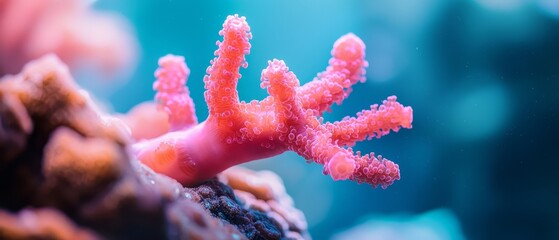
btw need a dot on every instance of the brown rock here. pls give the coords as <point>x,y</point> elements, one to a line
<point>64,156</point>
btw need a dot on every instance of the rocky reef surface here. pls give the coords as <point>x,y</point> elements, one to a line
<point>66,173</point>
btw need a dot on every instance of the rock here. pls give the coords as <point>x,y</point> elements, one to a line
<point>65,171</point>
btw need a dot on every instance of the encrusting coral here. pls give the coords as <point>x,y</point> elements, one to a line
<point>41,224</point>
<point>69,169</point>
<point>289,119</point>
<point>264,191</point>
<point>65,173</point>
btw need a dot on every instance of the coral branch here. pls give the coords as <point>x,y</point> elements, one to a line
<point>376,122</point>
<point>346,68</point>
<point>222,76</point>
<point>282,86</point>
<point>289,119</point>
<point>172,94</point>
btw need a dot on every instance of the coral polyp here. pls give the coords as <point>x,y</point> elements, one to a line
<point>289,119</point>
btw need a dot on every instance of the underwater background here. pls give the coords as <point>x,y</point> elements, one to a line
<point>481,75</point>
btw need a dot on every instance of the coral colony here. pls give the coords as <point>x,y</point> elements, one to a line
<point>66,171</point>
<point>289,119</point>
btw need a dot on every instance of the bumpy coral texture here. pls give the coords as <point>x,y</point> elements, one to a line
<point>41,224</point>
<point>65,174</point>
<point>289,119</point>
<point>172,94</point>
<point>264,191</point>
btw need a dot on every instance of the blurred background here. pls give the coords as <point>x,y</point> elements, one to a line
<point>481,75</point>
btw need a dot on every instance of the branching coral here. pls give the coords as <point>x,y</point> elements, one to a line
<point>65,174</point>
<point>289,119</point>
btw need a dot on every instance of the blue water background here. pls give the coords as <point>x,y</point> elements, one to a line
<point>481,75</point>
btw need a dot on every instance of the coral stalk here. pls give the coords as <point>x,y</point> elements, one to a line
<point>289,119</point>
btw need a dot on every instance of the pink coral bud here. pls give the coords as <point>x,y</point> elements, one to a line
<point>340,167</point>
<point>349,53</point>
<point>376,171</point>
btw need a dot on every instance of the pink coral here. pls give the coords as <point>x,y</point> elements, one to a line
<point>146,114</point>
<point>172,94</point>
<point>67,28</point>
<point>289,119</point>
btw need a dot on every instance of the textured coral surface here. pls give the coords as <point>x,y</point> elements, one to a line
<point>288,120</point>
<point>65,173</point>
<point>68,169</point>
